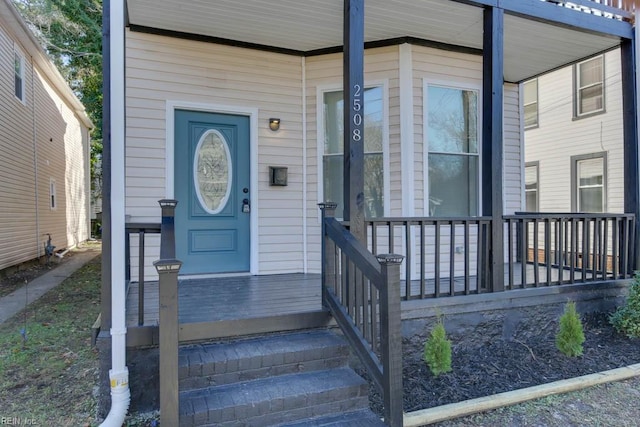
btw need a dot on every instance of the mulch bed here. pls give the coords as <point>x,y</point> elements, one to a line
<point>484,369</point>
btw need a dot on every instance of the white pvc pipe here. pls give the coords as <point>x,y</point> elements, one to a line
<point>119,374</point>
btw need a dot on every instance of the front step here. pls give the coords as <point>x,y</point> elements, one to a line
<point>300,378</point>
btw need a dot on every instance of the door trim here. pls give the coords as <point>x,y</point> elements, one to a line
<point>252,113</point>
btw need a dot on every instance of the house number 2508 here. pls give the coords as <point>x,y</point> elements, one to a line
<point>357,108</point>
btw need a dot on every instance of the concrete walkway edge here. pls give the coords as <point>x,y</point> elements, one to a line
<point>482,404</point>
<point>12,304</point>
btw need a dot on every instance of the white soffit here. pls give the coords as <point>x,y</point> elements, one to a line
<point>531,47</point>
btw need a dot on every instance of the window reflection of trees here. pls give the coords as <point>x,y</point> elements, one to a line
<point>453,151</point>
<point>212,172</point>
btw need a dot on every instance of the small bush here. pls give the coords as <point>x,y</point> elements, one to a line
<point>626,319</point>
<point>437,350</point>
<point>570,335</point>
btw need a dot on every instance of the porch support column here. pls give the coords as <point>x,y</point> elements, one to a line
<point>353,85</point>
<point>630,137</point>
<point>492,136</point>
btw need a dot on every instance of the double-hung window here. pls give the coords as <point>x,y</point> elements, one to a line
<point>531,186</point>
<point>18,75</point>
<point>589,86</point>
<point>332,154</point>
<point>589,174</point>
<point>530,103</point>
<point>453,143</point>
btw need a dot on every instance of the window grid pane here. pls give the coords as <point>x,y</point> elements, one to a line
<point>452,131</point>
<point>590,87</point>
<point>333,168</point>
<point>590,176</point>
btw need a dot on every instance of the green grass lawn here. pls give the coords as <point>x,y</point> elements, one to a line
<point>48,370</point>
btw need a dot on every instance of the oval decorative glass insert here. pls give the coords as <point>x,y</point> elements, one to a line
<point>212,171</point>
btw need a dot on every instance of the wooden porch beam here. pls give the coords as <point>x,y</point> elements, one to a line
<point>353,85</point>
<point>551,13</point>
<point>630,140</point>
<point>492,137</point>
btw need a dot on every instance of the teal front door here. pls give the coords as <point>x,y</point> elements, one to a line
<point>212,175</point>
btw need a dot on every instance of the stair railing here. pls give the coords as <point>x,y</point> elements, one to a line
<point>362,292</point>
<point>168,268</point>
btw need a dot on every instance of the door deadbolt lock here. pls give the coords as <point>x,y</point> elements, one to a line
<point>246,207</point>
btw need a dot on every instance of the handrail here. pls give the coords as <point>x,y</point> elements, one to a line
<point>617,9</point>
<point>141,229</point>
<point>362,293</point>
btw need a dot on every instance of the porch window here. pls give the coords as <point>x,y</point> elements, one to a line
<point>531,186</point>
<point>332,156</point>
<point>589,177</point>
<point>530,103</point>
<point>18,61</point>
<point>452,138</point>
<point>589,86</point>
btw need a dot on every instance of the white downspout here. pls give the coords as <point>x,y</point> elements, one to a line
<point>118,374</point>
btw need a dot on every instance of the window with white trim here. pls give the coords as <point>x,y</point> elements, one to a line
<point>589,86</point>
<point>18,60</point>
<point>531,186</point>
<point>589,173</point>
<point>530,103</point>
<point>453,157</point>
<point>333,149</point>
<point>53,202</point>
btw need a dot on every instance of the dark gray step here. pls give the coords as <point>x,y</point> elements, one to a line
<point>362,418</point>
<point>205,365</point>
<point>275,400</point>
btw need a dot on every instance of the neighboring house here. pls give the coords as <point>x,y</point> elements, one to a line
<point>237,110</point>
<point>574,137</point>
<point>44,148</point>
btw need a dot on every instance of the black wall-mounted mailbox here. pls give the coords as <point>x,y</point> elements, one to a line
<point>278,176</point>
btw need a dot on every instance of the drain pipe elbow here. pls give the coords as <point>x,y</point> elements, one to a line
<point>120,398</point>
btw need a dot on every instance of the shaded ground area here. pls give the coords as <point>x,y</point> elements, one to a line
<point>14,277</point>
<point>503,365</point>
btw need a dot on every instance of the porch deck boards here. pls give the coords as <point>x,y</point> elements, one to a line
<point>246,297</point>
<point>229,298</point>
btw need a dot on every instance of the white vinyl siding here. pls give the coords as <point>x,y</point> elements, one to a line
<point>558,137</point>
<point>161,69</point>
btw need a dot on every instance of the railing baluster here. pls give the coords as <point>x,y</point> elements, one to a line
<point>573,252</point>
<point>585,248</point>
<point>547,248</point>
<point>536,249</point>
<point>452,258</point>
<point>614,248</point>
<point>423,245</point>
<point>596,243</point>
<point>525,250</point>
<point>605,248</point>
<point>408,260</point>
<point>437,261</point>
<point>466,257</point>
<point>560,251</point>
<point>141,277</point>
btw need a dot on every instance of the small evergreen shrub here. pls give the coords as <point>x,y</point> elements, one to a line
<point>570,334</point>
<point>437,350</point>
<point>626,319</point>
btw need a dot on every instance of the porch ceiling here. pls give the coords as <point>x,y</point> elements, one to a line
<point>531,47</point>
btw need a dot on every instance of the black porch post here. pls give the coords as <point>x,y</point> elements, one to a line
<point>492,157</point>
<point>630,125</point>
<point>353,85</point>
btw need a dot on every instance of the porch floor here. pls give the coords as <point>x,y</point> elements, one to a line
<point>259,297</point>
